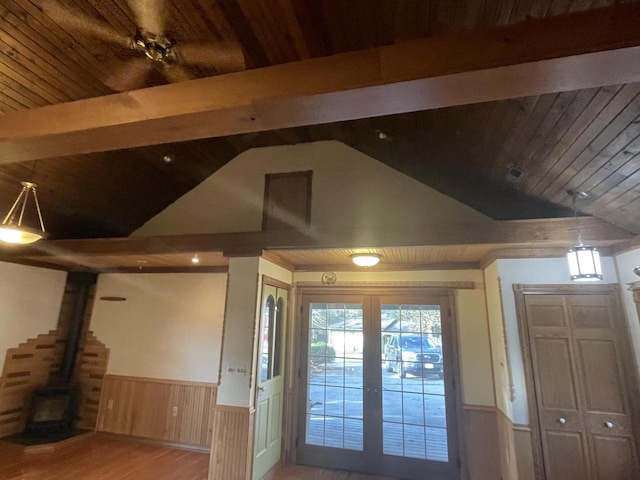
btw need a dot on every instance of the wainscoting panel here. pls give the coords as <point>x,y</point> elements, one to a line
<point>506,447</point>
<point>524,451</point>
<point>231,450</point>
<point>166,410</point>
<point>481,442</point>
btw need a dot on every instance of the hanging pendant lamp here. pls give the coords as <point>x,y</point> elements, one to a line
<point>13,230</point>
<point>584,260</point>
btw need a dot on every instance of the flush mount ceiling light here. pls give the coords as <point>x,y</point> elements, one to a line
<point>13,230</point>
<point>365,259</point>
<point>584,260</point>
<point>195,259</point>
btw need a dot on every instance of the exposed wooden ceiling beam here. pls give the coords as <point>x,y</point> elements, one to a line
<point>569,52</point>
<point>535,252</point>
<point>627,246</point>
<point>521,233</point>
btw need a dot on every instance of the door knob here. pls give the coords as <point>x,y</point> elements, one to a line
<point>261,389</point>
<point>608,424</point>
<point>562,420</point>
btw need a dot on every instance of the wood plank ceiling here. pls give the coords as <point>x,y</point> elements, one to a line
<point>587,139</point>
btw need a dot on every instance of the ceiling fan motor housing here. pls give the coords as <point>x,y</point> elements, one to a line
<point>158,48</point>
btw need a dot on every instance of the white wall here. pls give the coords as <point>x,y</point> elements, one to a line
<point>239,331</point>
<point>498,349</point>
<point>30,301</point>
<point>532,271</point>
<point>473,334</point>
<point>242,326</point>
<point>169,327</point>
<point>626,262</point>
<point>365,192</point>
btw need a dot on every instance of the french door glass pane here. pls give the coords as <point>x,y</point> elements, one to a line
<point>267,338</point>
<point>334,366</point>
<point>413,401</point>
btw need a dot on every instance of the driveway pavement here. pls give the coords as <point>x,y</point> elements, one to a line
<point>413,411</point>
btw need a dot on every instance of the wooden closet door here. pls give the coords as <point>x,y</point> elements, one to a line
<point>581,388</point>
<point>557,390</point>
<point>604,391</point>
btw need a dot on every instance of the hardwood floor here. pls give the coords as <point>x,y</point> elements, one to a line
<point>104,458</point>
<point>306,473</point>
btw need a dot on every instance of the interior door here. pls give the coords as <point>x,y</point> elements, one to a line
<point>269,396</point>
<point>376,386</point>
<point>581,387</point>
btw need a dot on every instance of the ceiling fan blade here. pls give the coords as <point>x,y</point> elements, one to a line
<point>176,73</point>
<point>129,75</point>
<point>224,57</point>
<point>151,15</point>
<point>74,20</point>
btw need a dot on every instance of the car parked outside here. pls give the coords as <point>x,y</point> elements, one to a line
<point>413,353</point>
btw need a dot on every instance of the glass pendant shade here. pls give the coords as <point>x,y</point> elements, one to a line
<point>366,259</point>
<point>584,264</point>
<point>13,229</point>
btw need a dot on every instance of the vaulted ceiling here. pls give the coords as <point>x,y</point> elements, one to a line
<point>586,139</point>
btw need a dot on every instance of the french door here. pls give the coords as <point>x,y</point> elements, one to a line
<point>376,385</point>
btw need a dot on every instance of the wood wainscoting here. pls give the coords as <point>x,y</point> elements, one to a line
<point>506,447</point>
<point>523,446</point>
<point>172,411</point>
<point>496,448</point>
<point>480,431</point>
<point>232,448</point>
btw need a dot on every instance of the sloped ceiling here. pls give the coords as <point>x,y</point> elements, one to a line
<point>587,139</point>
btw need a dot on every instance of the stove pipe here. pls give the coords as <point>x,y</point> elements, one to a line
<point>83,282</point>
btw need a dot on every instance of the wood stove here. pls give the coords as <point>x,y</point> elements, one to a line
<point>53,407</point>
<point>52,410</point>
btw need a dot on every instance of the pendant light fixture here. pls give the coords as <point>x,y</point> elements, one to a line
<point>13,229</point>
<point>584,260</point>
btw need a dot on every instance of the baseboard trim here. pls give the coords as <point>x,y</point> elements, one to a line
<point>156,442</point>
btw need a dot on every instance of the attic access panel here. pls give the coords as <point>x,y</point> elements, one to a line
<point>287,201</point>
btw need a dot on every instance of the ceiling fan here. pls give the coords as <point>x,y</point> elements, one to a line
<point>155,50</point>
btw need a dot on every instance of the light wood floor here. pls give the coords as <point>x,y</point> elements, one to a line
<point>104,458</point>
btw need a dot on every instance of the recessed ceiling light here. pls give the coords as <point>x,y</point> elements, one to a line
<point>167,159</point>
<point>195,259</point>
<point>365,259</point>
<point>514,175</point>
